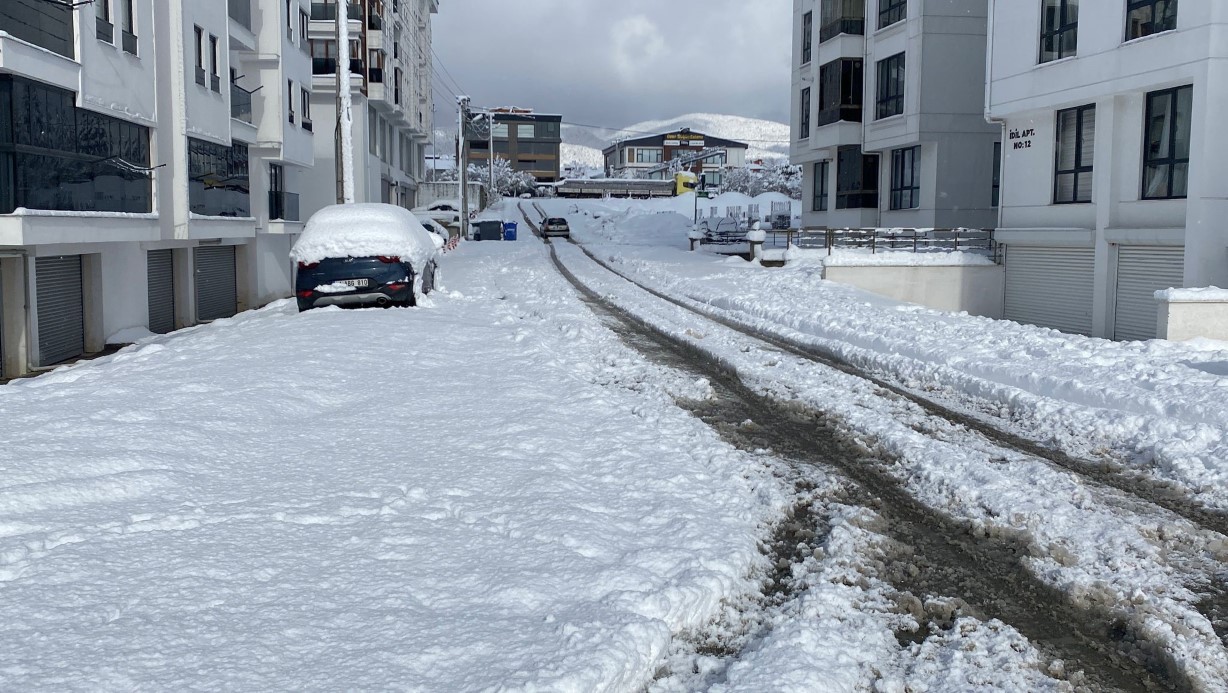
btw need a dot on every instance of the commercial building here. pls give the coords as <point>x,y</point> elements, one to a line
<point>649,157</point>
<point>888,123</point>
<point>529,141</point>
<point>1114,179</point>
<point>390,66</point>
<point>152,158</point>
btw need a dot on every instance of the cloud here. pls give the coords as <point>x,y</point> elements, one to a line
<point>614,63</point>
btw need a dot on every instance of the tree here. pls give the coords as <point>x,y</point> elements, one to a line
<point>773,175</point>
<point>508,182</point>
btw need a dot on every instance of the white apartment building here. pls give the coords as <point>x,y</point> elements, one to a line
<point>148,157</point>
<point>888,121</point>
<point>390,65</point>
<point>1114,179</point>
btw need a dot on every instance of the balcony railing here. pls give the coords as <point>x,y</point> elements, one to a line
<point>328,66</point>
<point>105,30</point>
<point>827,116</point>
<point>283,205</point>
<point>240,103</point>
<point>375,75</point>
<point>845,25</point>
<point>328,11</point>
<point>375,22</point>
<point>241,12</point>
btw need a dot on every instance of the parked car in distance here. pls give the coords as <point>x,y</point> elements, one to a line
<point>446,212</point>
<point>555,226</point>
<point>370,254</point>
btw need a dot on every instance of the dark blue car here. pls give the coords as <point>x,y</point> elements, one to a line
<point>359,281</point>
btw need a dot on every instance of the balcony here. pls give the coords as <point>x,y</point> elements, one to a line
<point>327,11</point>
<point>843,25</point>
<point>283,205</point>
<point>375,75</point>
<point>200,76</point>
<point>306,123</point>
<point>240,103</point>
<point>241,12</point>
<point>375,22</point>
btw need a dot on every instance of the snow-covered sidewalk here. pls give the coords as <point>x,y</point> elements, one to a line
<point>489,491</point>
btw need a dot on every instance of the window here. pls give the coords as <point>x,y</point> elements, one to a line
<point>290,98</point>
<point>304,21</point>
<point>840,91</point>
<point>856,178</point>
<point>648,155</point>
<point>372,130</point>
<point>842,17</point>
<point>804,130</point>
<point>525,132</point>
<point>305,108</point>
<point>1059,29</point>
<point>891,11</point>
<point>55,156</point>
<point>1076,136</point>
<point>890,87</point>
<point>995,186</point>
<point>1146,17</point>
<point>807,36</point>
<point>1166,157</point>
<point>289,21</point>
<point>128,27</point>
<point>218,179</point>
<point>905,178</point>
<point>200,56</point>
<point>105,30</point>
<point>213,63</point>
<point>818,202</point>
<point>499,130</point>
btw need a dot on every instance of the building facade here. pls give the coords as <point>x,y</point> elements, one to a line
<point>1114,183</point>
<point>390,66</point>
<point>152,158</point>
<point>887,107</point>
<point>529,141</point>
<point>650,157</point>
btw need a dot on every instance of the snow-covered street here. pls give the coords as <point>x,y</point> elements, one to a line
<point>497,491</point>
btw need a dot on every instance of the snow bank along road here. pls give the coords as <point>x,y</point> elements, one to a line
<point>1072,563</point>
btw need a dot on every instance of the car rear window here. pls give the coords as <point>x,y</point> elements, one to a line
<point>556,220</point>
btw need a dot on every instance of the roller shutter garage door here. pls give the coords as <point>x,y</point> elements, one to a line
<point>1050,287</point>
<point>1142,271</point>
<point>61,314</point>
<point>216,295</point>
<point>161,284</point>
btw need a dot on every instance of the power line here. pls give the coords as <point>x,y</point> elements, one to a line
<point>445,71</point>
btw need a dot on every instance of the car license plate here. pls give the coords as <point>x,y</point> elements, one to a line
<point>354,282</point>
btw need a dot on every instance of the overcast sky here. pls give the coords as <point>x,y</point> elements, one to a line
<point>616,62</point>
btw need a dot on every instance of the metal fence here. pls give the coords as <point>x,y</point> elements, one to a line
<point>977,241</point>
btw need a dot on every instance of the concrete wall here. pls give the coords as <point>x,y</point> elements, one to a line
<point>1180,320</point>
<point>975,289</point>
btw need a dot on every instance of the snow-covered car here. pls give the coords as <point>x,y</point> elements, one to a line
<point>434,227</point>
<point>443,211</point>
<point>555,226</point>
<point>370,254</point>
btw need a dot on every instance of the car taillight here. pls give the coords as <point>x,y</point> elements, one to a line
<point>388,259</point>
<point>306,293</point>
<point>395,286</point>
<point>308,265</point>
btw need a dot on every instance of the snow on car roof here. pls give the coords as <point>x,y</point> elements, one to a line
<point>362,230</point>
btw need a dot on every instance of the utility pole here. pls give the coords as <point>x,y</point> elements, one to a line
<point>345,122</point>
<point>462,161</point>
<point>490,150</point>
<point>434,148</point>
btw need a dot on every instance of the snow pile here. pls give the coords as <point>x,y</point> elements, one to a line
<point>1208,294</point>
<point>364,230</point>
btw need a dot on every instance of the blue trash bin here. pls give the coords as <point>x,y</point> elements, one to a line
<point>509,230</point>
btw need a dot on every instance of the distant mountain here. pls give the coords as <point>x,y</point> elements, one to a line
<point>766,138</point>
